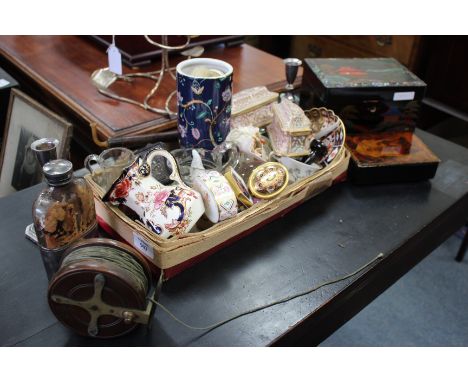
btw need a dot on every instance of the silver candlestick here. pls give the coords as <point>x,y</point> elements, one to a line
<point>45,149</point>
<point>291,66</point>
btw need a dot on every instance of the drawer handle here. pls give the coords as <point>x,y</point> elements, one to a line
<point>383,40</point>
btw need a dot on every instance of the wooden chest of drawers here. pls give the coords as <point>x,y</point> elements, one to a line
<point>403,48</point>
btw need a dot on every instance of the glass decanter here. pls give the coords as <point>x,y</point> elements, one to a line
<point>63,213</point>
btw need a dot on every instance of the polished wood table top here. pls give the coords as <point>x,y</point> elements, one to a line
<point>329,236</point>
<point>62,66</point>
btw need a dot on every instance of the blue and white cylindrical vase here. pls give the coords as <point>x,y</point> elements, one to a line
<point>204,93</point>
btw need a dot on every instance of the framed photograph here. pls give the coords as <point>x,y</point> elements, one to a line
<point>26,121</point>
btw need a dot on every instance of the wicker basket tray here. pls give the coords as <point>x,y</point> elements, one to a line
<point>176,254</point>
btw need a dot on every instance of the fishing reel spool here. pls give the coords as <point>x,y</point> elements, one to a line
<point>103,289</point>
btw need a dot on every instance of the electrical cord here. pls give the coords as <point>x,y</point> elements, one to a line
<point>379,257</point>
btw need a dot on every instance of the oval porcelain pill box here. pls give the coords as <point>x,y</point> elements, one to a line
<point>218,196</point>
<point>268,180</point>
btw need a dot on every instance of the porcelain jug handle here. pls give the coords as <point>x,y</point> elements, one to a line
<point>175,176</point>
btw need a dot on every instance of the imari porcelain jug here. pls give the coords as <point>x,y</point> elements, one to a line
<point>166,210</point>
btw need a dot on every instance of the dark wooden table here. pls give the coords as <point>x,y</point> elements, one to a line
<point>331,235</point>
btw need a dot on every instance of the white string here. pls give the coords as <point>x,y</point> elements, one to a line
<point>379,257</point>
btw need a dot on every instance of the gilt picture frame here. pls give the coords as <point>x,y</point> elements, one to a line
<point>26,121</point>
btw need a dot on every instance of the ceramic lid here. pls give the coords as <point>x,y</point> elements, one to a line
<point>268,180</point>
<point>251,99</point>
<point>292,118</point>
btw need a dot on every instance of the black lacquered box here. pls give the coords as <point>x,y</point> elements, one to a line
<point>368,94</point>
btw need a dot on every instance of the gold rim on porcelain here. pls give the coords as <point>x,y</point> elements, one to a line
<point>252,180</point>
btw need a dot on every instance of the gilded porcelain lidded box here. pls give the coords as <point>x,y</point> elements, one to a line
<point>252,107</point>
<point>291,131</point>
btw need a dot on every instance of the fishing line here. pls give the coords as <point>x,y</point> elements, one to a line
<point>136,272</point>
<point>114,256</point>
<point>213,326</point>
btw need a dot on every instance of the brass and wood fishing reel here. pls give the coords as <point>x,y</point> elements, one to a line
<point>103,289</point>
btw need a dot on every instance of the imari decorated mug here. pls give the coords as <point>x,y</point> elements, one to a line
<point>166,210</point>
<point>204,93</point>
